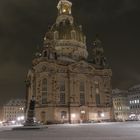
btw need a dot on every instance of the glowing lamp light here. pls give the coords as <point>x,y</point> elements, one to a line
<point>102,114</point>
<point>18,118</point>
<point>13,122</point>
<point>73,116</point>
<point>64,10</point>
<point>132,115</point>
<point>83,112</point>
<point>22,117</point>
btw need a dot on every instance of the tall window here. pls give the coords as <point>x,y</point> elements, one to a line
<point>63,114</point>
<point>98,99</point>
<point>62,92</point>
<point>97,96</point>
<point>56,35</point>
<point>44,91</point>
<point>97,92</point>
<point>73,34</point>
<point>82,93</point>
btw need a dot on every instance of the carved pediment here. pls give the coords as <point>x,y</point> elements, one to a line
<point>81,67</point>
<point>50,68</point>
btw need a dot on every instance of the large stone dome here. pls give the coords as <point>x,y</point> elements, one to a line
<point>66,30</point>
<point>69,39</point>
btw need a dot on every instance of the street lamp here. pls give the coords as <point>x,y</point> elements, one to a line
<point>102,115</point>
<point>73,117</point>
<point>13,122</point>
<point>83,112</point>
<point>18,118</point>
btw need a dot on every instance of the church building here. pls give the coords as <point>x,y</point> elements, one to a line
<point>65,85</point>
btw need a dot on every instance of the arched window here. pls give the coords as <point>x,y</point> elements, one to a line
<point>62,92</point>
<point>82,93</point>
<point>56,35</point>
<point>63,114</point>
<point>73,34</point>
<point>98,99</point>
<point>97,91</point>
<point>44,91</point>
<point>43,116</point>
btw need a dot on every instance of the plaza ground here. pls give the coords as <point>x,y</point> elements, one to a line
<point>97,131</point>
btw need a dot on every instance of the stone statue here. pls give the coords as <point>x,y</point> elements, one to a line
<point>30,124</point>
<point>30,113</point>
<point>32,104</point>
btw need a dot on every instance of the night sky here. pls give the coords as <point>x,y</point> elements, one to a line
<point>23,24</point>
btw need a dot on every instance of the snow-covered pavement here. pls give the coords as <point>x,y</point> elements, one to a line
<point>101,131</point>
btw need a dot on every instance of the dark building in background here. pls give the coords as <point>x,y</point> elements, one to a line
<point>126,104</point>
<point>134,102</point>
<point>120,104</point>
<point>14,110</point>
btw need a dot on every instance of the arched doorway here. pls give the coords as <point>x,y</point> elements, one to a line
<point>43,117</point>
<point>83,116</point>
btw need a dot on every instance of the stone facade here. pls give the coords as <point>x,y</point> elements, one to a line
<point>67,87</point>
<point>13,109</point>
<point>134,102</point>
<point>120,104</point>
<point>1,113</point>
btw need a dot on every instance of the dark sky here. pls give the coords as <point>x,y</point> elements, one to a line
<point>23,24</point>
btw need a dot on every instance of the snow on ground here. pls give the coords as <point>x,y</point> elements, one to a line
<point>101,131</point>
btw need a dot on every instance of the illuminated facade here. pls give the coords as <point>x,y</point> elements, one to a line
<point>134,102</point>
<point>120,104</point>
<point>13,109</point>
<point>1,114</point>
<point>67,87</point>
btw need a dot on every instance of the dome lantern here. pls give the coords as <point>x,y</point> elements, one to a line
<point>64,7</point>
<point>64,11</point>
